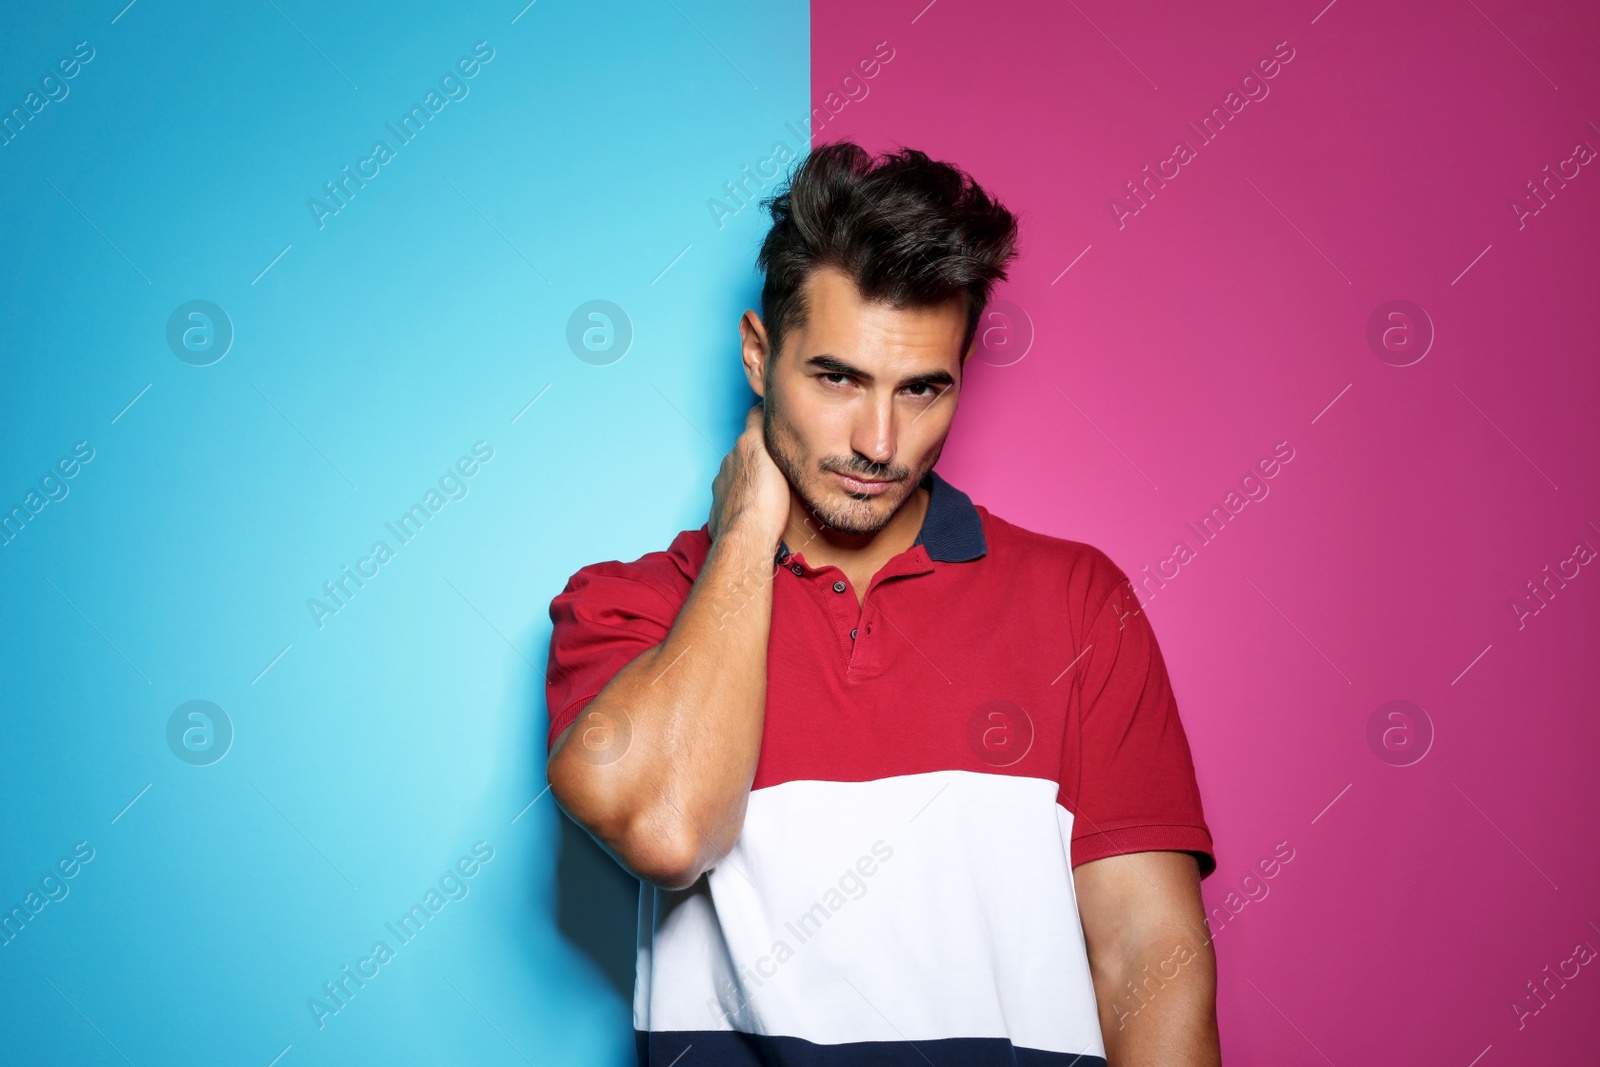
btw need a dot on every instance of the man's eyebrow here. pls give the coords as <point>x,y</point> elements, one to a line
<point>835,365</point>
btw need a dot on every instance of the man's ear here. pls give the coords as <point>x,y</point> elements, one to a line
<point>753,351</point>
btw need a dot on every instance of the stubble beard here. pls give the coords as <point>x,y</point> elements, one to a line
<point>859,517</point>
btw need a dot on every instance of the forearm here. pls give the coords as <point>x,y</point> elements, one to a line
<point>1157,1000</point>
<point>689,713</point>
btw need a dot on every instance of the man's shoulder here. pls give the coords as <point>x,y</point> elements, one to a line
<point>1083,570</point>
<point>670,572</point>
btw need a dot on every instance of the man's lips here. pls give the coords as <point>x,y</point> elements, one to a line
<point>865,485</point>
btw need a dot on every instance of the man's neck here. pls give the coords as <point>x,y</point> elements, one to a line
<point>823,546</point>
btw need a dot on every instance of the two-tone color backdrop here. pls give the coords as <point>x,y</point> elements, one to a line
<point>335,338</point>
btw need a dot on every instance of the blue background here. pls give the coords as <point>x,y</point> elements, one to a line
<point>371,753</point>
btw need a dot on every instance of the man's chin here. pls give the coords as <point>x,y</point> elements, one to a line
<point>852,515</point>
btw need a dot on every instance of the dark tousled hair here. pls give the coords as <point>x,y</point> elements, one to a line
<point>911,231</point>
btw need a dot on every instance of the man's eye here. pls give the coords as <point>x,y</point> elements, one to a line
<point>835,374</point>
<point>923,385</point>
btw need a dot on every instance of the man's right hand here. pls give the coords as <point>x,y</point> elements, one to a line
<point>750,491</point>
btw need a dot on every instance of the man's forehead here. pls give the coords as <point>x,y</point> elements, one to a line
<point>835,307</point>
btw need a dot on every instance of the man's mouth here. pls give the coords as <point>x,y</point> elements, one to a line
<point>867,486</point>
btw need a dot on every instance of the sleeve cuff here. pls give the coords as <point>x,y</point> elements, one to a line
<point>1097,845</point>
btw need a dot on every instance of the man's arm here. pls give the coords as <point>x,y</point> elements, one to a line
<point>687,714</point>
<point>1155,975</point>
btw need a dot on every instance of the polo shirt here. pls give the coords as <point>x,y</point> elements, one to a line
<point>934,763</point>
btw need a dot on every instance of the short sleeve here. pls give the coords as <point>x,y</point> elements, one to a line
<point>1135,787</point>
<point>603,619</point>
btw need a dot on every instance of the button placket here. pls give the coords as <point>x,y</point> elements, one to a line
<point>861,654</point>
<point>859,633</point>
<point>866,655</point>
<point>842,613</point>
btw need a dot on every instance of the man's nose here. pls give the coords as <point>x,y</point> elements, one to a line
<point>874,435</point>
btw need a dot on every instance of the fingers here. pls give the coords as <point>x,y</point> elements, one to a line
<point>740,471</point>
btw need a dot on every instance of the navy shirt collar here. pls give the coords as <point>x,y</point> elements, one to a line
<point>952,530</point>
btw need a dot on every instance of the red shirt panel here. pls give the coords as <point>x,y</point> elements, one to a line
<point>1032,659</point>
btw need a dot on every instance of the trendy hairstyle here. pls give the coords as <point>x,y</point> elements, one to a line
<point>909,230</point>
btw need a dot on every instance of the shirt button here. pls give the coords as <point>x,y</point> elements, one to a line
<point>838,587</point>
<point>852,635</point>
<point>796,568</point>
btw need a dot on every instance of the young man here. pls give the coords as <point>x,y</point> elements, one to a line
<point>905,782</point>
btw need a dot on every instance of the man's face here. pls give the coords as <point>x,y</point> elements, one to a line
<point>858,404</point>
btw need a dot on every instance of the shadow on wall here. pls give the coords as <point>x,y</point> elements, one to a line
<point>597,906</point>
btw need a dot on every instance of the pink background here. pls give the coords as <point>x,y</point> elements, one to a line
<point>1231,314</point>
